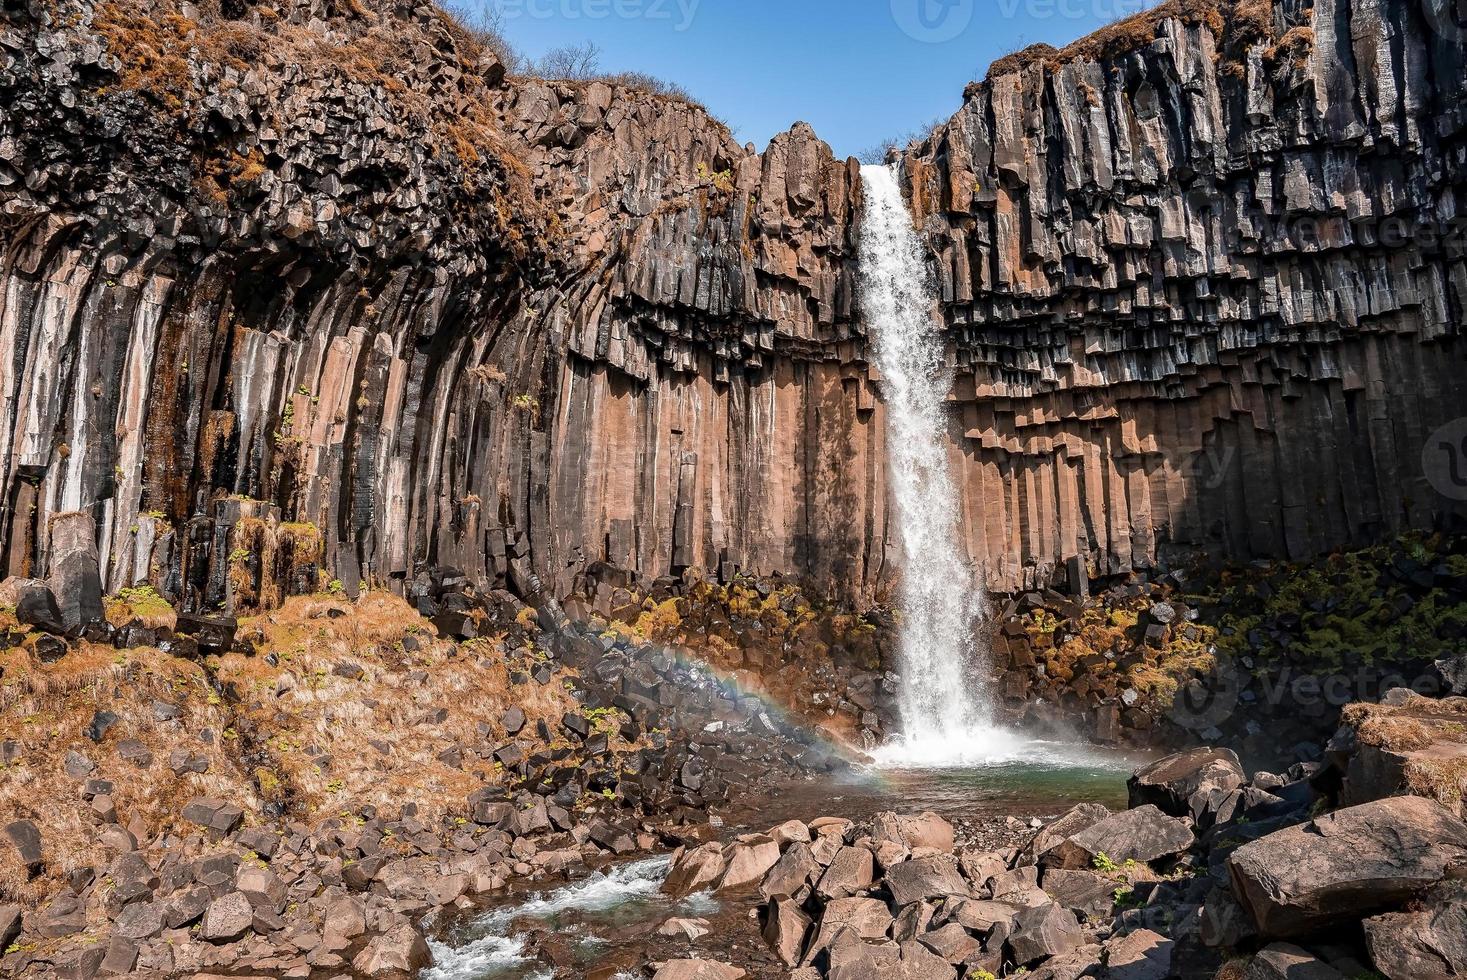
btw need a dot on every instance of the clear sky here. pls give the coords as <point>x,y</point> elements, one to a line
<point>859,71</point>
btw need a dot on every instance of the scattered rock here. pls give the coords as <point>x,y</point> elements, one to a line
<point>1347,864</point>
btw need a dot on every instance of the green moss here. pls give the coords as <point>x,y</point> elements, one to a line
<point>1347,607</point>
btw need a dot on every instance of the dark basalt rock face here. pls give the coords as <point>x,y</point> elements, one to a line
<point>311,293</point>
<point>1207,290</point>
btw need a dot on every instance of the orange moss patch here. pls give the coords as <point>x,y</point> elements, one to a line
<point>348,690</point>
<point>1236,23</point>
<point>46,708</point>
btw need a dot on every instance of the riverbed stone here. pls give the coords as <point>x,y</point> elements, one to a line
<point>1347,864</point>
<point>934,876</point>
<point>1143,835</point>
<point>1043,932</point>
<point>851,870</point>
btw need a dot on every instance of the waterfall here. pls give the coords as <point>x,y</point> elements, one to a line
<point>943,707</point>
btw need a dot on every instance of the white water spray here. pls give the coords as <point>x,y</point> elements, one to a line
<point>944,711</point>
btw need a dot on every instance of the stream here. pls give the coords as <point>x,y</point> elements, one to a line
<point>609,919</point>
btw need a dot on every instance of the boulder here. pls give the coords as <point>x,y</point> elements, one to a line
<point>26,839</point>
<point>75,578</point>
<point>695,870</point>
<point>1169,783</point>
<point>1347,864</point>
<point>1429,942</point>
<point>790,832</point>
<point>213,634</point>
<point>926,830</point>
<point>952,942</point>
<point>1051,847</point>
<point>35,605</point>
<point>747,862</point>
<point>1089,895</point>
<point>791,873</point>
<point>1144,834</point>
<point>1280,961</point>
<point>1084,961</point>
<point>689,930</point>
<point>851,870</point>
<point>866,918</point>
<point>215,816</point>
<point>786,929</point>
<point>1042,932</point>
<point>934,876</point>
<point>1138,955</point>
<point>227,918</point>
<point>401,950</point>
<point>697,970</point>
<point>9,924</point>
<point>981,915</point>
<point>140,920</point>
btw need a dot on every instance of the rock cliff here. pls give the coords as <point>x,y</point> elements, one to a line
<point>300,290</point>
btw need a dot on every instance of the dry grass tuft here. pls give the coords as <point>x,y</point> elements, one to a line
<point>1237,24</point>
<point>46,708</point>
<point>1443,780</point>
<point>345,716</point>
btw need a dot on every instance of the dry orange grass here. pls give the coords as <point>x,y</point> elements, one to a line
<point>300,710</point>
<point>46,708</point>
<point>263,718</point>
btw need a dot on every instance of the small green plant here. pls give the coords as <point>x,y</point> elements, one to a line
<point>1104,864</point>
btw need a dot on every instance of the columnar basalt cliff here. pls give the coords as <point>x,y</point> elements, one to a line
<point>1204,274</point>
<point>298,291</point>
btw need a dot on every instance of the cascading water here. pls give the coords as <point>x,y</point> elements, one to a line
<point>944,713</point>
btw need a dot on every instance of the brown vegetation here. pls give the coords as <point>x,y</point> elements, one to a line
<point>1237,24</point>
<point>344,705</point>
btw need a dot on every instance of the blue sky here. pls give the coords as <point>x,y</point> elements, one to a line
<point>859,71</point>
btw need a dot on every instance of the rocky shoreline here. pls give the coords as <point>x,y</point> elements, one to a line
<point>607,740</point>
<point>1210,873</point>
